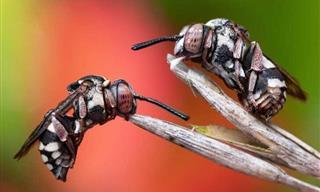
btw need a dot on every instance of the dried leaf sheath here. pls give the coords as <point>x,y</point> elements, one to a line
<point>236,138</point>
<point>219,152</point>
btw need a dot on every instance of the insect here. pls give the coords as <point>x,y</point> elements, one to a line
<point>93,100</point>
<point>224,48</point>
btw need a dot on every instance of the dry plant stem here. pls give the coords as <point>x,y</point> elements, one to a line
<point>219,152</point>
<point>296,140</point>
<point>237,139</point>
<point>294,153</point>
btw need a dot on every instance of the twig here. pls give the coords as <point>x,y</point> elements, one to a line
<point>219,152</point>
<point>287,148</point>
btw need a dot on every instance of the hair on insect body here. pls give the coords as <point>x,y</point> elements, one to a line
<point>94,100</point>
<point>224,48</point>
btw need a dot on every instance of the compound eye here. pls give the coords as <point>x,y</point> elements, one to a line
<point>124,99</point>
<point>193,38</point>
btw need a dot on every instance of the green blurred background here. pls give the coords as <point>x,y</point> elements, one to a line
<point>47,44</point>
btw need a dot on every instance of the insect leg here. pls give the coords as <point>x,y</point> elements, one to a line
<point>70,132</point>
<point>82,111</point>
<point>237,72</point>
<point>82,107</point>
<point>254,57</point>
<point>237,53</point>
<point>252,83</point>
<point>63,128</point>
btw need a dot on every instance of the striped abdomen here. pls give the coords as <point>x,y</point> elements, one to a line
<point>269,93</point>
<point>55,154</point>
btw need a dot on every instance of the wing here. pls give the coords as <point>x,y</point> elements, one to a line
<point>61,109</point>
<point>34,136</point>
<point>293,87</point>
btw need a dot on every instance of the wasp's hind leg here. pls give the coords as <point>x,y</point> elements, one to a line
<point>253,58</point>
<point>64,127</point>
<point>237,54</point>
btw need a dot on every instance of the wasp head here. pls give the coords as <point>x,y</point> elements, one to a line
<point>124,97</point>
<point>189,43</point>
<point>192,41</point>
<point>126,104</point>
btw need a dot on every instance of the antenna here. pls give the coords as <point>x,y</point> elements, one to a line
<point>163,106</point>
<point>155,41</point>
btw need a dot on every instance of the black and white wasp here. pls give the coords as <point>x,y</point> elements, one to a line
<point>94,100</point>
<point>224,48</point>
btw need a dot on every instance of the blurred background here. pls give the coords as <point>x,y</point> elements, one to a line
<point>45,45</point>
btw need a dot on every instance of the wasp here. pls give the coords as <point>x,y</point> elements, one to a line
<point>93,100</point>
<point>224,48</point>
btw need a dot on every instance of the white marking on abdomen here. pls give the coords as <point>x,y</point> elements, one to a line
<point>54,146</point>
<point>44,158</point>
<point>276,83</point>
<point>58,161</point>
<point>41,146</point>
<point>56,154</point>
<point>50,167</point>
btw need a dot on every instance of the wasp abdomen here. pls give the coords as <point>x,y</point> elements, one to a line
<point>269,93</point>
<point>55,155</point>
